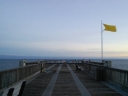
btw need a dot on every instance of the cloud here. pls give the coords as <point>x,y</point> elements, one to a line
<point>57,49</point>
<point>116,52</point>
<point>94,49</point>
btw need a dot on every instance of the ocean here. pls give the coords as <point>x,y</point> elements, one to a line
<point>117,63</point>
<point>6,64</point>
<point>120,64</point>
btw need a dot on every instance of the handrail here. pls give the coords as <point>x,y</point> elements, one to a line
<point>9,77</point>
<point>116,75</point>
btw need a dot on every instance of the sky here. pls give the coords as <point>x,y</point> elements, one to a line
<point>63,28</point>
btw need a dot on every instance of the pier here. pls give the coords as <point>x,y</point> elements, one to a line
<point>72,78</point>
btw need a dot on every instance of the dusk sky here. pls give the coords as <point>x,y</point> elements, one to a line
<point>63,28</point>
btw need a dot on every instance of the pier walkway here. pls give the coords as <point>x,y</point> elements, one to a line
<point>64,80</point>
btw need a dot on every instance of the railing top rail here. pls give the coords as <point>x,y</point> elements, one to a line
<point>96,62</point>
<point>18,68</point>
<point>105,67</point>
<point>32,62</point>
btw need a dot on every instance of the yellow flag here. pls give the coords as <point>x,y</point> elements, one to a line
<point>111,28</point>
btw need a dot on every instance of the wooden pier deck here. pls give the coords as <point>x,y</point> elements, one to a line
<point>64,80</point>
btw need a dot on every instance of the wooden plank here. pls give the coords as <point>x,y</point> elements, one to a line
<point>81,87</point>
<point>49,88</point>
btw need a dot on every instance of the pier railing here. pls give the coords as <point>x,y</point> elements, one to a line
<point>117,77</point>
<point>63,61</point>
<point>99,70</point>
<point>9,77</point>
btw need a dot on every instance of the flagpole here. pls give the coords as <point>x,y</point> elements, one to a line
<point>101,41</point>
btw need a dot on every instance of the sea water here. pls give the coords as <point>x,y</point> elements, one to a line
<point>6,64</point>
<point>116,63</point>
<point>120,64</point>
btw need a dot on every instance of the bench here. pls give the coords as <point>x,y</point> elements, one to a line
<point>78,68</point>
<point>15,90</point>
